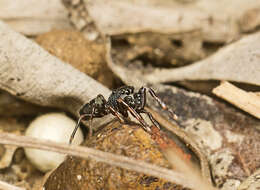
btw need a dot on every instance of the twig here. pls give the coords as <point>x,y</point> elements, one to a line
<point>6,186</point>
<point>247,101</point>
<point>109,158</point>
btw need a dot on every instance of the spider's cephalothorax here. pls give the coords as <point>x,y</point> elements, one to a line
<point>120,102</point>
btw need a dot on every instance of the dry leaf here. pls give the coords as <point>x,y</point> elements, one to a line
<point>219,21</point>
<point>33,17</point>
<point>237,62</point>
<point>230,139</point>
<point>30,73</point>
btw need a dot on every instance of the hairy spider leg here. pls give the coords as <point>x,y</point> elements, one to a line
<point>76,127</point>
<point>145,126</point>
<point>151,118</point>
<point>117,114</point>
<point>161,103</point>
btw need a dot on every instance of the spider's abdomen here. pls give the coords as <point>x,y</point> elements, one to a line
<point>95,108</point>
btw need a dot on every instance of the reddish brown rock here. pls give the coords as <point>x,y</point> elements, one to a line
<point>127,140</point>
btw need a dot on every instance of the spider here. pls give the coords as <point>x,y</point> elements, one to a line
<point>121,101</point>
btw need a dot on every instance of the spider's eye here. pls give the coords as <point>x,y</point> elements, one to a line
<point>137,96</point>
<point>129,100</point>
<point>130,90</point>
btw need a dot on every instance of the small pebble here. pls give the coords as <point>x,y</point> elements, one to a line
<point>55,127</point>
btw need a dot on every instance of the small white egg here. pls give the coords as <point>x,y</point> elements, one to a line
<point>55,127</point>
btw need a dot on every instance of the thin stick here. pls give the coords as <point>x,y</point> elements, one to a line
<point>109,158</point>
<point>7,186</point>
<point>246,101</point>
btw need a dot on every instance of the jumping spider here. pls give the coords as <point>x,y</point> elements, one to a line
<point>121,101</point>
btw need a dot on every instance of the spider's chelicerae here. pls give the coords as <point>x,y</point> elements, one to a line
<point>120,102</point>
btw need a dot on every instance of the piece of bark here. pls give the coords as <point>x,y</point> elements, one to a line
<point>32,74</point>
<point>247,101</point>
<point>32,17</point>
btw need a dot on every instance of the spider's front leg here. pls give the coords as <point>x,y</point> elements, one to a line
<point>117,114</point>
<point>78,124</point>
<point>161,103</point>
<point>136,115</point>
<point>156,124</point>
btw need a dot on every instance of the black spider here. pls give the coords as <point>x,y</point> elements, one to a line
<point>120,102</point>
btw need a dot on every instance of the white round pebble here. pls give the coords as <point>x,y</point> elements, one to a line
<point>55,127</point>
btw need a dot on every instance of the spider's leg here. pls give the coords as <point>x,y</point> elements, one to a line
<point>76,127</point>
<point>162,104</point>
<point>117,114</point>
<point>145,126</point>
<point>90,123</point>
<point>142,94</point>
<point>151,118</point>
